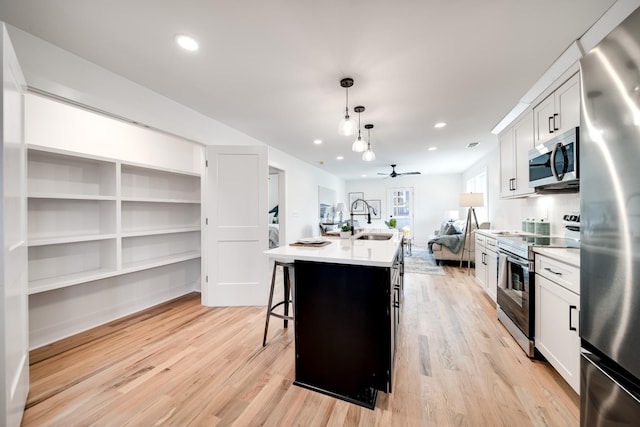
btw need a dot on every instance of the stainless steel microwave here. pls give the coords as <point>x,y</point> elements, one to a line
<point>553,165</point>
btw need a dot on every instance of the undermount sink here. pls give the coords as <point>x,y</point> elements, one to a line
<point>374,237</point>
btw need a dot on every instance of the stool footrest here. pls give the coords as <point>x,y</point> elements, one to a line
<point>281,316</point>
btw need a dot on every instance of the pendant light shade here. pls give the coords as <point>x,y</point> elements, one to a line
<point>346,126</point>
<point>369,155</point>
<point>359,145</point>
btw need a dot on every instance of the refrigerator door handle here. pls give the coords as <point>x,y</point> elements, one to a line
<point>571,327</point>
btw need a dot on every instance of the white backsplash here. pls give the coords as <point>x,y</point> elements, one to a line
<point>550,208</point>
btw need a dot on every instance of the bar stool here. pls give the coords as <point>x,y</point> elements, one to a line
<point>285,302</point>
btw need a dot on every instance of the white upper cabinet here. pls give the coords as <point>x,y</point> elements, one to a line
<point>558,112</point>
<point>515,143</point>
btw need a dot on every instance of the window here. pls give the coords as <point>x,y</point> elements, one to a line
<point>478,184</point>
<point>401,206</point>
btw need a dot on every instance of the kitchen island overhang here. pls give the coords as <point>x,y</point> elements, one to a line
<point>347,299</point>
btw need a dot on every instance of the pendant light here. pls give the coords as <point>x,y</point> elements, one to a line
<point>347,126</point>
<point>359,145</point>
<point>369,155</point>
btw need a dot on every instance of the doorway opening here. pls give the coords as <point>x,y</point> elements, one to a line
<point>401,207</point>
<point>276,204</point>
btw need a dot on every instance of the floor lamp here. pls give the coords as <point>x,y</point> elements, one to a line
<point>471,201</point>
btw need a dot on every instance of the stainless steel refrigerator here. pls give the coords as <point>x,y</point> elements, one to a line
<point>610,229</point>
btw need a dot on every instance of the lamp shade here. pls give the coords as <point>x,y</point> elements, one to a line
<point>471,200</point>
<point>340,207</point>
<point>452,215</point>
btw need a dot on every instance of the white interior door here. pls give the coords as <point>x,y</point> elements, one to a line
<point>14,315</point>
<point>236,234</point>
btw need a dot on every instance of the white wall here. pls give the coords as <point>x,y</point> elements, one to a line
<point>433,195</point>
<point>508,214</point>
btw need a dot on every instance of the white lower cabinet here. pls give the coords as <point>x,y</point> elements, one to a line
<point>487,264</point>
<point>557,311</point>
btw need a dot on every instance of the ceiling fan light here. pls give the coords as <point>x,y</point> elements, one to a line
<point>347,126</point>
<point>369,155</point>
<point>359,145</point>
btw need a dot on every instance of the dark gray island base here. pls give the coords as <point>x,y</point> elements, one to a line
<point>346,320</point>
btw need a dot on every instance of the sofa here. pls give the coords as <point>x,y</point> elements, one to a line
<point>446,242</point>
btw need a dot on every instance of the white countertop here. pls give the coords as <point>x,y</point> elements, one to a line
<point>378,253</point>
<point>497,233</point>
<point>570,256</point>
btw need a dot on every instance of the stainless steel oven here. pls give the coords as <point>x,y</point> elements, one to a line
<point>516,285</point>
<point>515,291</point>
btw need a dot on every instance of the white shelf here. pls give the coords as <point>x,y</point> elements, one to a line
<point>160,261</point>
<point>69,196</point>
<point>51,172</point>
<point>147,216</point>
<point>152,232</point>
<point>60,260</point>
<point>144,248</point>
<point>70,239</point>
<point>58,218</point>
<point>52,283</point>
<point>152,184</point>
<point>151,200</point>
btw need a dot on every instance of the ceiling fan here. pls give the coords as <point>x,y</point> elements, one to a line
<point>393,173</point>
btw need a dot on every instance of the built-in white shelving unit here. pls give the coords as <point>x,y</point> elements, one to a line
<point>114,218</point>
<point>92,218</point>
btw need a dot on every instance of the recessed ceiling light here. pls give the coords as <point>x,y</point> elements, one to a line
<point>439,125</point>
<point>186,42</point>
<point>340,158</point>
<point>364,175</point>
<point>432,148</point>
<point>317,141</point>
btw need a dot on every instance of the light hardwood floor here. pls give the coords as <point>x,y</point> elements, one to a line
<point>182,364</point>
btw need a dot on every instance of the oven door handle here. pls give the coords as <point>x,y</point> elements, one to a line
<point>518,262</point>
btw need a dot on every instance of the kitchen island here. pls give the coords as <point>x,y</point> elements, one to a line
<point>347,297</point>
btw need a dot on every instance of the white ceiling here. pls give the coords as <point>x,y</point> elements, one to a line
<point>271,69</point>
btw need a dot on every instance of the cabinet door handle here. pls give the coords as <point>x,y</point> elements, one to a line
<point>571,327</point>
<point>557,273</point>
<point>512,184</point>
<point>555,124</point>
<point>550,127</point>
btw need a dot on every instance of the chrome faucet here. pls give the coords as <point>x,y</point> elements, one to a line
<point>368,214</point>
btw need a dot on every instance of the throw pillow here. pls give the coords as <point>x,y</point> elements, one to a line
<point>450,229</point>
